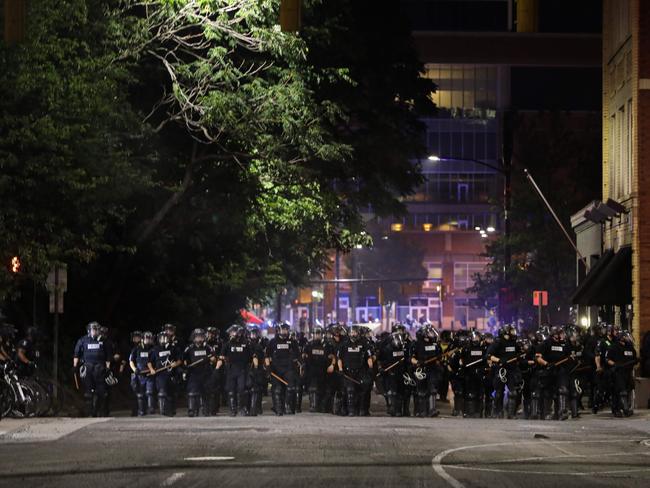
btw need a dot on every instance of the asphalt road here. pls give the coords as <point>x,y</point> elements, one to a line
<point>318,450</point>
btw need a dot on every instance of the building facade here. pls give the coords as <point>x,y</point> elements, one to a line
<point>626,146</point>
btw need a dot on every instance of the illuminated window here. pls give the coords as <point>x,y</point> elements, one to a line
<point>396,227</point>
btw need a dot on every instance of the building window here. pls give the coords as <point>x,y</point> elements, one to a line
<point>464,274</point>
<point>434,271</point>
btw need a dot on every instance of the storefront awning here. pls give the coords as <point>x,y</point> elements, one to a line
<point>588,280</point>
<point>609,282</point>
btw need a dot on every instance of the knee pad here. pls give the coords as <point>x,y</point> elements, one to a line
<point>563,390</point>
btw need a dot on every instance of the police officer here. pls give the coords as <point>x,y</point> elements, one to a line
<point>391,359</point>
<point>258,378</point>
<point>602,375</point>
<point>557,356</point>
<point>473,361</point>
<point>579,374</point>
<point>198,359</point>
<point>143,383</point>
<point>527,366</point>
<point>91,361</point>
<point>215,382</point>
<point>115,369</point>
<point>319,360</point>
<point>456,372</point>
<point>355,362</point>
<point>488,378</point>
<point>238,357</point>
<point>282,354</point>
<point>504,355</point>
<point>163,361</point>
<point>174,376</point>
<point>332,401</point>
<point>27,353</point>
<point>426,356</point>
<point>621,359</point>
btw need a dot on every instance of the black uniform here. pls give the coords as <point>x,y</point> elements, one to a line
<point>506,373</point>
<point>283,353</point>
<point>199,370</point>
<point>93,355</point>
<point>238,356</point>
<point>425,353</point>
<point>473,363</point>
<point>318,357</point>
<point>555,351</point>
<point>356,379</point>
<point>392,354</point>
<point>624,357</point>
<point>163,356</point>
<point>142,384</point>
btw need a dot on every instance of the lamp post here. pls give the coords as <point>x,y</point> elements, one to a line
<point>505,170</point>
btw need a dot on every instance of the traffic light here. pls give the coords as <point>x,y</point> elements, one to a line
<point>15,264</point>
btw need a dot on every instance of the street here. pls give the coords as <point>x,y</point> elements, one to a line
<point>324,450</point>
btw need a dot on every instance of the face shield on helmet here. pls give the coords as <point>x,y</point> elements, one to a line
<point>283,330</point>
<point>355,333</point>
<point>93,329</point>
<point>211,333</point>
<point>136,337</point>
<point>431,333</point>
<point>198,337</point>
<point>397,340</point>
<point>475,337</point>
<point>254,333</point>
<point>626,338</point>
<point>147,338</point>
<point>163,338</point>
<point>103,331</point>
<point>317,334</point>
<point>170,330</point>
<point>233,332</point>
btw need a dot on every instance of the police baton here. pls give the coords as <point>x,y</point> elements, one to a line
<point>279,378</point>
<point>199,361</point>
<point>561,361</point>
<point>473,363</point>
<point>350,378</point>
<point>76,380</point>
<point>386,370</point>
<point>512,360</point>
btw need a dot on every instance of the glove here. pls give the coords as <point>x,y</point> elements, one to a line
<point>380,370</point>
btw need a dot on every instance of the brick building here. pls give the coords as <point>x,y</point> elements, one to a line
<point>626,176</point>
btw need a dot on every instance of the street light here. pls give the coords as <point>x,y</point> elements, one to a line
<point>505,169</point>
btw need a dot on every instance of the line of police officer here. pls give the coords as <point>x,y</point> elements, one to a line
<point>546,374</point>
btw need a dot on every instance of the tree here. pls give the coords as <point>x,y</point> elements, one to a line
<point>246,167</point>
<point>72,151</point>
<point>562,152</point>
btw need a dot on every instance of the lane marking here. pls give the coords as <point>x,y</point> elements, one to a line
<point>210,458</point>
<point>172,479</point>
<point>436,462</point>
<point>562,450</point>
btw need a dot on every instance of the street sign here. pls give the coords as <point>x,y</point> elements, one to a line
<point>57,285</point>
<point>540,298</point>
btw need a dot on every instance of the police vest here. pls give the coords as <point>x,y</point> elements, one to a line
<point>163,356</point>
<point>198,356</point>
<point>238,353</point>
<point>556,351</point>
<point>282,352</point>
<point>140,356</point>
<point>94,351</point>
<point>353,355</point>
<point>427,350</point>
<point>316,353</point>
